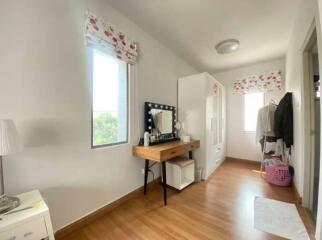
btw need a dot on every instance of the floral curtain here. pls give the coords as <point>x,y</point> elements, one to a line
<point>259,83</point>
<point>99,32</point>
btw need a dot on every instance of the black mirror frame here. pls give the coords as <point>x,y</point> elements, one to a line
<point>148,106</point>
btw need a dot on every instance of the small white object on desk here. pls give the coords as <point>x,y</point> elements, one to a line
<point>146,139</point>
<point>186,138</point>
<point>29,221</point>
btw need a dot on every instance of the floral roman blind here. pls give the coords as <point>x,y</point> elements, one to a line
<point>266,82</point>
<point>98,32</point>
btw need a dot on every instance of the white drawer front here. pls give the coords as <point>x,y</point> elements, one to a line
<point>33,230</point>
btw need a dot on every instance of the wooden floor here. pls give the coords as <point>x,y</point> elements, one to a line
<point>220,208</point>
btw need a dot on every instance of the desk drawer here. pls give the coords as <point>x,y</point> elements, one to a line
<point>193,146</point>
<point>171,153</point>
<point>179,150</point>
<point>33,230</point>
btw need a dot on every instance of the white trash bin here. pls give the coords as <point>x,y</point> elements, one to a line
<point>198,175</point>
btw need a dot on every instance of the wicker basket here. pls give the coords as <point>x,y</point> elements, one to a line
<point>278,174</point>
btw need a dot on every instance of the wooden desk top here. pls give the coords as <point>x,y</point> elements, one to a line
<point>165,151</point>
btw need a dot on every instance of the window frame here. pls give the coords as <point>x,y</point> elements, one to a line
<point>244,112</point>
<point>90,50</point>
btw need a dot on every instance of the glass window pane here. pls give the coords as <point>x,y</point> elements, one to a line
<point>109,117</point>
<point>252,103</point>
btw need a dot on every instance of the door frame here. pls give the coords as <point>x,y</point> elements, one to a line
<point>309,121</point>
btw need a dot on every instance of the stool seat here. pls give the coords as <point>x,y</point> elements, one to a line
<point>181,161</point>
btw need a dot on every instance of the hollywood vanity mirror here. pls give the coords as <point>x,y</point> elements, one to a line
<point>160,122</point>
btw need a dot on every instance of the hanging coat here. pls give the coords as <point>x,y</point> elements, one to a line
<point>283,118</point>
<point>265,122</point>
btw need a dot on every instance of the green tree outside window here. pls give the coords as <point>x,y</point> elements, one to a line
<point>105,129</point>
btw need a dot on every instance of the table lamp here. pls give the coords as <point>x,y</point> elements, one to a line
<point>9,144</point>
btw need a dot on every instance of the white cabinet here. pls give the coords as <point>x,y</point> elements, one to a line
<point>201,108</point>
<point>31,223</point>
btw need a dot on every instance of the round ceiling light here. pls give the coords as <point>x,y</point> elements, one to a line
<point>227,46</point>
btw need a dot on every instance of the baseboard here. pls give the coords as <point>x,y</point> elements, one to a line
<point>214,169</point>
<point>243,160</point>
<point>298,198</point>
<point>306,213</point>
<point>100,212</point>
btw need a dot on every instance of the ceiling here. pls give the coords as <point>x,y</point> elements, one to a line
<point>192,28</point>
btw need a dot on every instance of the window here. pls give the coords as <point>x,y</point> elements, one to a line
<point>109,99</point>
<point>252,103</point>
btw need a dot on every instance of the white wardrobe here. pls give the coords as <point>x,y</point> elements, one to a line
<point>202,110</point>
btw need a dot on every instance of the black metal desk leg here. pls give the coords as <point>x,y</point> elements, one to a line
<point>190,154</point>
<point>146,173</point>
<point>164,180</point>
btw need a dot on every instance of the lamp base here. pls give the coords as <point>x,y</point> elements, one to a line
<point>8,203</point>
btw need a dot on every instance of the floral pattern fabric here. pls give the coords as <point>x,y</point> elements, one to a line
<point>103,34</point>
<point>259,83</point>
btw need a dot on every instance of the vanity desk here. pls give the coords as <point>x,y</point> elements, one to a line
<point>161,153</point>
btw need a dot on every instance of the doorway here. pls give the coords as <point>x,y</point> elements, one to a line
<point>312,118</point>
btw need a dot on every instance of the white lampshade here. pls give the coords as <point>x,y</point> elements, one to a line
<point>227,46</point>
<point>9,139</point>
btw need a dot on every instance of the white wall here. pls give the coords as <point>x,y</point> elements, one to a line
<point>294,83</point>
<point>241,144</point>
<point>308,12</point>
<point>44,89</point>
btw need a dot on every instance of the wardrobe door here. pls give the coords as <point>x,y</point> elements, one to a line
<point>192,113</point>
<point>217,113</point>
<point>220,148</point>
<point>212,126</point>
<point>219,145</point>
<point>220,114</point>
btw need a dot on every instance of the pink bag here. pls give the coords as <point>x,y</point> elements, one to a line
<point>278,174</point>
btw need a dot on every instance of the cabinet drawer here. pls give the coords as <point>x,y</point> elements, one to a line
<point>32,230</point>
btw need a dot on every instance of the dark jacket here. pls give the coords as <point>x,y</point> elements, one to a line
<point>283,120</point>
